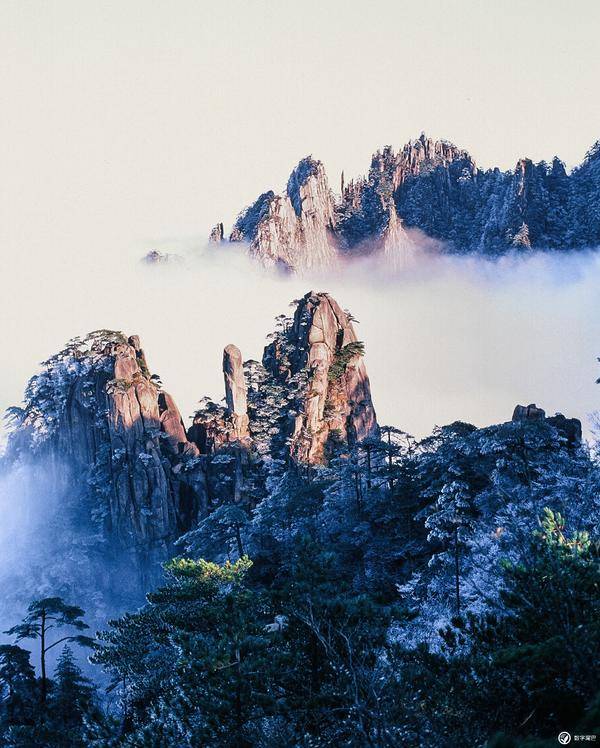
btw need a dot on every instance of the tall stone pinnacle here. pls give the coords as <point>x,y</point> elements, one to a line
<point>337,403</point>
<point>236,390</point>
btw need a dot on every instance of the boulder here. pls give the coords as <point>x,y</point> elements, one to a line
<point>570,428</point>
<point>528,413</point>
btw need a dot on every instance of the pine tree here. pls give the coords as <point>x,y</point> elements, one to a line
<point>72,702</point>
<point>194,662</point>
<point>449,526</point>
<point>44,616</point>
<point>18,687</point>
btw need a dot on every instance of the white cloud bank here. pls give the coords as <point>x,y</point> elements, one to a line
<point>451,338</point>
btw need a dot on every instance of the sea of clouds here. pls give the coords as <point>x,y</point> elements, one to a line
<point>446,337</point>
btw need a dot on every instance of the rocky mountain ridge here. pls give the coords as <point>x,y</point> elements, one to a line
<point>432,186</point>
<point>140,481</point>
<point>116,437</point>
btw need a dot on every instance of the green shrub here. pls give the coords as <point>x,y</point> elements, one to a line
<point>342,358</point>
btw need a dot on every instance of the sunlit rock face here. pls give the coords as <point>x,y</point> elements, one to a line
<point>309,397</point>
<point>214,426</point>
<point>335,404</point>
<point>119,439</point>
<point>236,390</point>
<point>429,185</point>
<point>294,231</point>
<point>305,228</point>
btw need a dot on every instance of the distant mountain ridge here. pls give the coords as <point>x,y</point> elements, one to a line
<point>432,186</point>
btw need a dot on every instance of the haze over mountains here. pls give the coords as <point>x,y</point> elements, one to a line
<point>380,525</point>
<point>286,520</point>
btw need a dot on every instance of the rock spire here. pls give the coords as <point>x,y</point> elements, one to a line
<point>236,390</point>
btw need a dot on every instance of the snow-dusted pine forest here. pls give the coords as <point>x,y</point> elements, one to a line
<point>289,571</point>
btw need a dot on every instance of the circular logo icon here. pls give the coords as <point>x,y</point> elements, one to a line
<point>564,738</point>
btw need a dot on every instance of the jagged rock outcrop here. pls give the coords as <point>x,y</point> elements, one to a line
<point>368,223</point>
<point>417,156</point>
<point>310,396</point>
<point>294,231</point>
<point>570,428</point>
<point>217,234</point>
<point>430,185</point>
<point>119,440</point>
<point>335,404</point>
<point>213,426</point>
<point>233,466</point>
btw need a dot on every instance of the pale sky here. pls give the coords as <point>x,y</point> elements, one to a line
<point>132,125</point>
<point>159,118</point>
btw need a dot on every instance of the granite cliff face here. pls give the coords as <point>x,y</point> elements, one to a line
<point>215,426</point>
<point>432,186</point>
<point>309,396</point>
<point>294,231</point>
<point>236,390</point>
<point>117,438</point>
<point>335,403</point>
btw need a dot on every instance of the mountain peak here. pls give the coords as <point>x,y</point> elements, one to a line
<point>431,185</point>
<point>293,231</point>
<point>337,403</point>
<point>308,167</point>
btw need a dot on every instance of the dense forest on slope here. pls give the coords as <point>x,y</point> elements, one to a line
<point>327,580</point>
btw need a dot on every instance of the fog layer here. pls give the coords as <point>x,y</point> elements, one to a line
<point>449,338</point>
